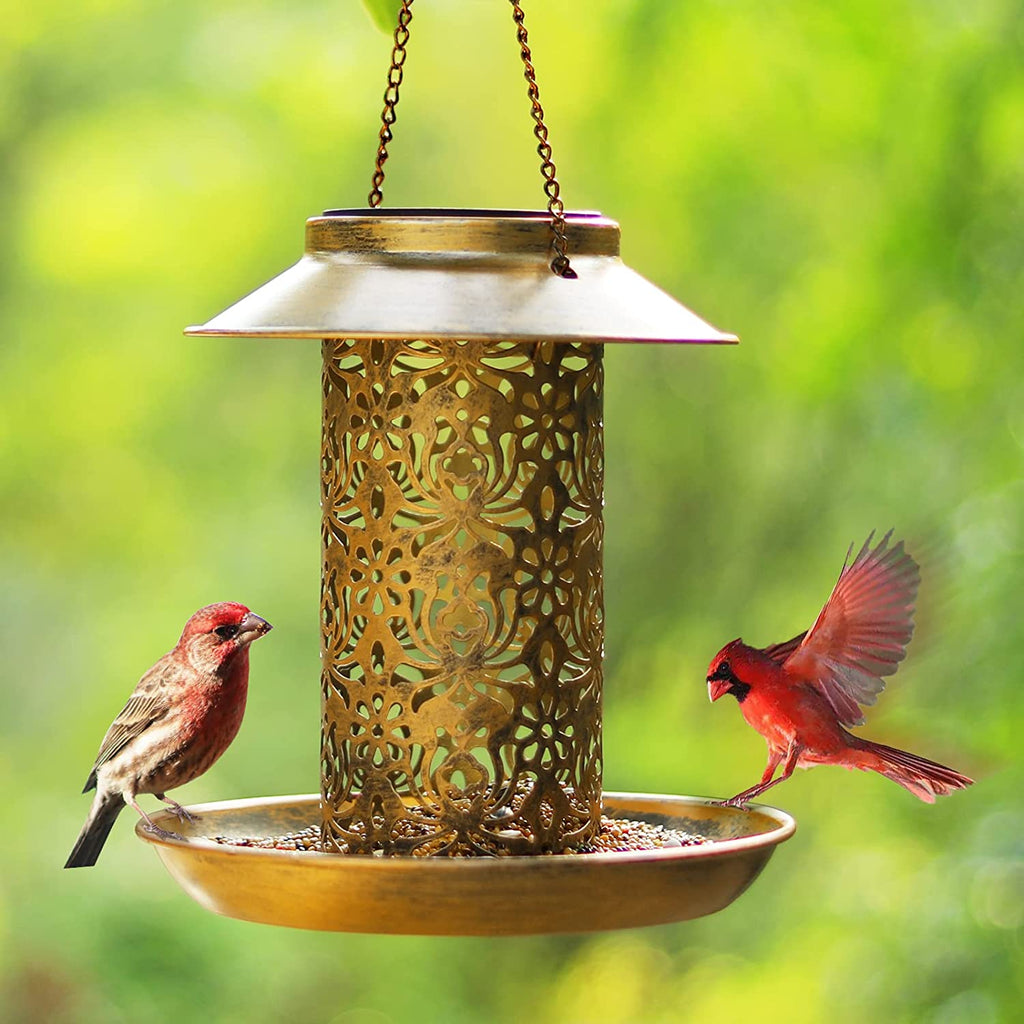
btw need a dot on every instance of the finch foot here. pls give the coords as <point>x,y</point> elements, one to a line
<point>179,812</point>
<point>183,815</point>
<point>161,833</point>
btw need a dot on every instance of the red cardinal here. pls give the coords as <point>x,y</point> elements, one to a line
<point>800,694</point>
<point>181,717</point>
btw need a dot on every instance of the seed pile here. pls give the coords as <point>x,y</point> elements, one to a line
<point>615,835</point>
<point>620,835</point>
<point>308,840</point>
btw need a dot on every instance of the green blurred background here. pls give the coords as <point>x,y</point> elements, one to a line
<point>839,183</point>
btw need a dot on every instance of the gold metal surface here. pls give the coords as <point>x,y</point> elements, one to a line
<point>460,275</point>
<point>462,594</point>
<point>468,896</point>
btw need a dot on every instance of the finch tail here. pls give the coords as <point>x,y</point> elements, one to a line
<point>105,809</point>
<point>925,779</point>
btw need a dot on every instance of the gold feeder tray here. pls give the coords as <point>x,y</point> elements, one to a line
<point>508,895</point>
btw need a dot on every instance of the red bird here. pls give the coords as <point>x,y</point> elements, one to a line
<point>181,717</point>
<point>800,694</point>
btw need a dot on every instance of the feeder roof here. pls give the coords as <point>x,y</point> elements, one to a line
<point>476,275</point>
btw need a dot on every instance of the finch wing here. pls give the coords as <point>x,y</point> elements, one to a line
<point>862,632</point>
<point>149,702</point>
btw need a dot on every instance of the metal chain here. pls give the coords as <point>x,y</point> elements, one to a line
<point>560,263</point>
<point>388,115</point>
<point>559,242</point>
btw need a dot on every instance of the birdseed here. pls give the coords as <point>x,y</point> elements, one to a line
<point>615,835</point>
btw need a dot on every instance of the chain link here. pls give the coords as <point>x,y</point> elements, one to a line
<point>388,115</point>
<point>559,243</point>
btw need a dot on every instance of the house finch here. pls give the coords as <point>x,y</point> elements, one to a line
<point>181,717</point>
<point>799,694</point>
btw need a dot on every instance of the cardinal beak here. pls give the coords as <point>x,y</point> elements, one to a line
<point>718,688</point>
<point>252,627</point>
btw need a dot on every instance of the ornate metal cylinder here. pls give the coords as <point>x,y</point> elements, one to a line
<point>462,601</point>
<point>462,533</point>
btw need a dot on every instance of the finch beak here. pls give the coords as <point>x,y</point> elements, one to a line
<point>717,688</point>
<point>252,627</point>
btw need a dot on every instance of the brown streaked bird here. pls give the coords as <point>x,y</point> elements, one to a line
<point>800,694</point>
<point>181,717</point>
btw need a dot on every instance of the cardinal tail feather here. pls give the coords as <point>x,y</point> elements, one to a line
<point>925,779</point>
<point>105,809</point>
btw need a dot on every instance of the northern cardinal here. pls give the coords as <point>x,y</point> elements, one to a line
<point>181,717</point>
<point>799,694</point>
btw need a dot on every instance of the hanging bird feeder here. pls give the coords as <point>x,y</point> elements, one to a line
<point>461,597</point>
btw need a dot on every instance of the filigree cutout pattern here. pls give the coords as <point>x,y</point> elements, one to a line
<point>462,602</point>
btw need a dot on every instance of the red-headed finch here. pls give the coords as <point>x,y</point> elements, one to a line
<point>799,694</point>
<point>181,717</point>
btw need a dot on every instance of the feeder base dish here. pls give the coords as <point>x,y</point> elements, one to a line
<point>472,895</point>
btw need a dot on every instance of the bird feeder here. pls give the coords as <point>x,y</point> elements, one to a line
<point>462,472</point>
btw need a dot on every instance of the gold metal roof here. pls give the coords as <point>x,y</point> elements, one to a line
<point>459,274</point>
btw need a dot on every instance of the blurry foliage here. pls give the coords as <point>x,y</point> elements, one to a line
<point>840,184</point>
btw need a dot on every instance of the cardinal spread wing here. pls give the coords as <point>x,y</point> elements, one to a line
<point>149,703</point>
<point>780,652</point>
<point>862,632</point>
